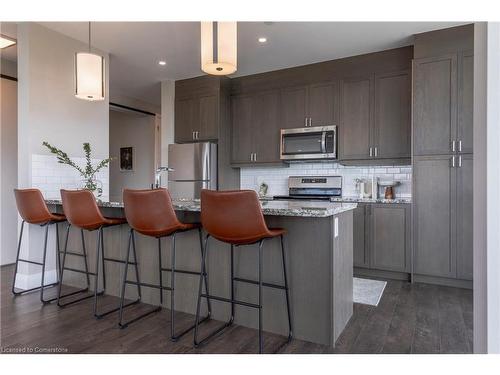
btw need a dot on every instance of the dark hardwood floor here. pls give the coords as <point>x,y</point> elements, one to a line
<point>410,318</point>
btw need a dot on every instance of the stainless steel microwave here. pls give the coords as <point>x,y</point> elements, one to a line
<point>311,143</point>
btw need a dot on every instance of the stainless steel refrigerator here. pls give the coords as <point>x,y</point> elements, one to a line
<point>195,168</point>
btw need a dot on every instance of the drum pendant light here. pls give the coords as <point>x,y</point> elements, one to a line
<point>218,47</point>
<point>89,75</point>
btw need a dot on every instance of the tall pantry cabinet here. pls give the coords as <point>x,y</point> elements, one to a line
<point>442,156</point>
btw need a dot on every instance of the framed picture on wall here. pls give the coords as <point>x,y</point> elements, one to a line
<point>126,159</point>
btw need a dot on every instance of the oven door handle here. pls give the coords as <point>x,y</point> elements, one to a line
<point>323,142</point>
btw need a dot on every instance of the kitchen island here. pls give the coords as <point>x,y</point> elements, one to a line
<point>319,251</point>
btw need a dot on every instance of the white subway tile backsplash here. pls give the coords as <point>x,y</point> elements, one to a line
<point>50,176</point>
<point>277,177</point>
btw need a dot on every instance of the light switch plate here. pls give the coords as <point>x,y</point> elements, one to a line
<point>336,227</point>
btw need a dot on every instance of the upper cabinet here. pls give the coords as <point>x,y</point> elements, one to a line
<point>311,105</point>
<point>367,97</point>
<point>355,119</point>
<point>392,121</point>
<point>465,101</point>
<point>255,128</point>
<point>442,104</point>
<point>434,104</point>
<point>293,107</point>
<point>375,117</point>
<point>197,109</point>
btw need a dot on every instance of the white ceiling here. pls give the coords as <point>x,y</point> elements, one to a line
<point>136,47</point>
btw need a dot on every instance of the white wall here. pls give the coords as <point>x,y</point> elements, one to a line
<point>49,111</point>
<point>486,183</point>
<point>276,177</point>
<point>128,129</point>
<point>8,167</point>
<point>167,121</point>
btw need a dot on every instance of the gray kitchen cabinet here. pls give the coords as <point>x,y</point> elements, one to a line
<point>242,115</point>
<point>465,101</point>
<point>293,107</point>
<point>464,216</point>
<point>361,236</point>
<point>323,104</point>
<point>255,128</point>
<point>434,105</point>
<point>310,105</point>
<point>355,119</point>
<point>434,212</point>
<point>392,124</point>
<point>266,133</point>
<point>207,127</point>
<point>198,109</point>
<point>186,119</point>
<point>390,237</point>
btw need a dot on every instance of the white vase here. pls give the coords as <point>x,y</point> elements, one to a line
<point>92,184</point>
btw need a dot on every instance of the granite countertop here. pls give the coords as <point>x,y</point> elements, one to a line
<point>372,200</point>
<point>355,200</point>
<point>271,208</point>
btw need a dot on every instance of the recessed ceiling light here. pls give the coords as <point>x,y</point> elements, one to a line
<point>262,39</point>
<point>162,63</point>
<point>5,41</point>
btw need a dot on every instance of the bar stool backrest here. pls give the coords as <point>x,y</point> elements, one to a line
<point>233,214</point>
<point>81,209</point>
<point>31,206</point>
<point>149,210</point>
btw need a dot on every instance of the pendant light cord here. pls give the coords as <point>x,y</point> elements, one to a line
<point>89,38</point>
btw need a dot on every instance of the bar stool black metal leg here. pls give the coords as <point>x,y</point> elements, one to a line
<point>136,261</point>
<point>173,337</point>
<point>122,294</point>
<point>102,262</point>
<point>84,249</point>
<point>198,306</point>
<point>121,324</point>
<point>100,252</point>
<point>232,283</point>
<point>17,260</point>
<point>176,337</point>
<point>261,339</point>
<point>290,330</point>
<point>160,269</point>
<point>96,277</point>
<point>42,285</point>
<point>59,296</point>
<point>205,276</point>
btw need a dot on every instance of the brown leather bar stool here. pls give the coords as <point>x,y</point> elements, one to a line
<point>82,212</point>
<point>235,217</point>
<point>151,213</point>
<point>33,210</point>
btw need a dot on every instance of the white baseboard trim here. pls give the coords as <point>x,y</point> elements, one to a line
<point>24,281</point>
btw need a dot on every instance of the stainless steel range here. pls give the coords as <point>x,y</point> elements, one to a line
<point>313,188</point>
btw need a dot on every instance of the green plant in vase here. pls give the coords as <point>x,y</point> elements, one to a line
<point>88,172</point>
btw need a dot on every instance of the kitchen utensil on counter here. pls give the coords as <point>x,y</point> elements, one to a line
<point>389,188</point>
<point>374,187</point>
<point>263,188</point>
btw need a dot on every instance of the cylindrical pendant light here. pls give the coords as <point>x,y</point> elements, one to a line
<point>89,75</point>
<point>218,47</point>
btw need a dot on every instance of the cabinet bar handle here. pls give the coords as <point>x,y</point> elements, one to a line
<point>255,156</point>
<point>376,151</point>
<point>193,135</point>
<point>310,121</point>
<point>453,161</point>
<point>459,161</point>
<point>371,151</point>
<point>460,145</point>
<point>305,121</point>
<point>453,145</point>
